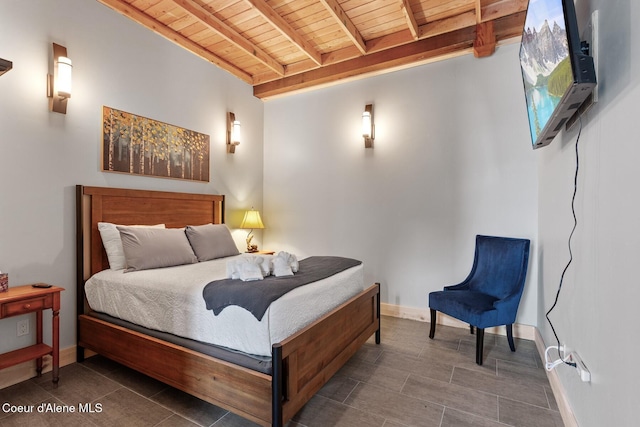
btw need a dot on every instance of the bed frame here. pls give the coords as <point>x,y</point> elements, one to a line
<point>302,363</point>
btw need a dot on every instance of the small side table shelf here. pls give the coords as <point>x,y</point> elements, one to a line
<point>262,252</point>
<point>28,299</point>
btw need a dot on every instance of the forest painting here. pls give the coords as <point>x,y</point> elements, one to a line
<point>141,146</point>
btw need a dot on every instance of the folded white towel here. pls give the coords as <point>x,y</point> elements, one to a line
<point>250,271</point>
<point>258,267</point>
<point>290,259</point>
<point>284,264</point>
<point>233,269</point>
<point>248,268</point>
<point>281,267</point>
<point>264,262</point>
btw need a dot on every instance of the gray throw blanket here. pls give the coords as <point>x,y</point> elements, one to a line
<point>256,296</point>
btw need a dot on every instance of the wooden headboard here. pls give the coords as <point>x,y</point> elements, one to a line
<point>129,207</point>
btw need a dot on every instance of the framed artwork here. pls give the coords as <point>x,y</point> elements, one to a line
<point>141,146</point>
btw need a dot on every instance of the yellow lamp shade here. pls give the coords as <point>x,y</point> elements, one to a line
<point>252,220</point>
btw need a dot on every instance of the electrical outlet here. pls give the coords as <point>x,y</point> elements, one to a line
<point>23,327</point>
<point>562,350</point>
<point>582,369</point>
<point>565,351</point>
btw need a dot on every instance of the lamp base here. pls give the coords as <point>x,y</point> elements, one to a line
<point>250,247</point>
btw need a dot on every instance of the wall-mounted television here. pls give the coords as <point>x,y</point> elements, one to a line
<point>557,72</point>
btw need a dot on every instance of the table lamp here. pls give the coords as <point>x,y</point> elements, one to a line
<point>251,221</point>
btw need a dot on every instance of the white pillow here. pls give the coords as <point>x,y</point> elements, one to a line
<point>113,243</point>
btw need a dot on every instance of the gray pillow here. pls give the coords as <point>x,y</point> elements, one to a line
<point>211,241</point>
<point>146,248</point>
<point>113,245</point>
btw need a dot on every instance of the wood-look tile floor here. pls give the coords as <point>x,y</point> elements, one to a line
<point>407,380</point>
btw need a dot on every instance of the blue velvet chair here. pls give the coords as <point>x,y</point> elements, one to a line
<point>490,295</point>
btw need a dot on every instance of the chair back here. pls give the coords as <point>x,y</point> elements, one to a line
<point>499,266</point>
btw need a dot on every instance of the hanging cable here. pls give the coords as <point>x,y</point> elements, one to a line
<point>566,267</point>
<point>549,366</point>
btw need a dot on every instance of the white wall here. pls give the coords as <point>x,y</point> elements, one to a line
<point>452,159</point>
<point>597,311</point>
<point>43,155</point>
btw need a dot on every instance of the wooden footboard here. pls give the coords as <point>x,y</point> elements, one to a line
<point>314,354</point>
<point>303,363</point>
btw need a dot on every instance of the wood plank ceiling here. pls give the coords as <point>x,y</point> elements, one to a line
<point>283,46</point>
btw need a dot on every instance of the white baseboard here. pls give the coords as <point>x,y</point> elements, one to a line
<point>520,331</point>
<point>568,417</point>
<point>423,315</point>
<point>24,371</point>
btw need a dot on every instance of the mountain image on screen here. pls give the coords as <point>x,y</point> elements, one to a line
<point>546,71</point>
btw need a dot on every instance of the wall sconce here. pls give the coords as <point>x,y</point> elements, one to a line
<point>233,133</point>
<point>59,84</point>
<point>5,66</point>
<point>251,220</point>
<point>368,127</point>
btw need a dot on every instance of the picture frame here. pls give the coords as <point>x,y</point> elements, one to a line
<point>138,145</point>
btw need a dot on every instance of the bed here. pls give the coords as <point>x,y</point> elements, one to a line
<point>299,365</point>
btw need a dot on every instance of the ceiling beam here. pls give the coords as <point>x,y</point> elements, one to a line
<point>131,12</point>
<point>421,51</point>
<point>509,27</point>
<point>485,42</point>
<point>506,29</point>
<point>286,30</point>
<point>447,25</point>
<point>231,35</point>
<point>345,22</point>
<point>411,19</point>
<point>502,9</point>
<point>341,55</point>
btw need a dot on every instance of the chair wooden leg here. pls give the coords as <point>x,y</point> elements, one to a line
<point>479,345</point>
<point>512,345</point>
<point>432,332</point>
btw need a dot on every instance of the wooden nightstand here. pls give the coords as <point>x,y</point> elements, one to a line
<point>27,299</point>
<point>262,252</point>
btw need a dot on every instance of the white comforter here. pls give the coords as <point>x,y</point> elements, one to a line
<point>170,300</point>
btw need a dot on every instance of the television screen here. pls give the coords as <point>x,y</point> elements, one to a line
<point>555,73</point>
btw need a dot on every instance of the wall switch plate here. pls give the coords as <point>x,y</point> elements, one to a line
<point>23,327</point>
